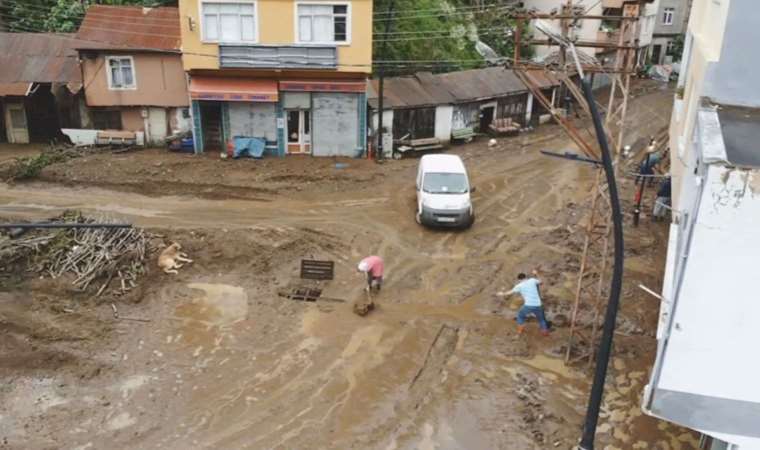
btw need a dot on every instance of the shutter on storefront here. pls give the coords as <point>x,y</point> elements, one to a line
<point>336,124</point>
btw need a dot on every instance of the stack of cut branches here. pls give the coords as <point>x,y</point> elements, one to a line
<point>91,256</point>
<point>12,250</point>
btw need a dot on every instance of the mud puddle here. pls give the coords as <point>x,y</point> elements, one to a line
<point>218,305</point>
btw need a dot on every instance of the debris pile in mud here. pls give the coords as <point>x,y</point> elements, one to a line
<point>89,256</point>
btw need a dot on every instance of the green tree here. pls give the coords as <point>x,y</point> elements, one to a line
<point>58,15</point>
<point>677,48</point>
<point>442,31</point>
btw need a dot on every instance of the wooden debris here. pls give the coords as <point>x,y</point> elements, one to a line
<point>363,306</point>
<point>88,255</point>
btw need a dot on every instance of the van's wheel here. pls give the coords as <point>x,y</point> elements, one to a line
<point>397,155</point>
<point>470,222</point>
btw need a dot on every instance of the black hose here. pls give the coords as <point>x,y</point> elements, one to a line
<point>64,225</point>
<point>608,330</point>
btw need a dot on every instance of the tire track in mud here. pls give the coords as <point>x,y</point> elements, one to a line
<point>345,382</point>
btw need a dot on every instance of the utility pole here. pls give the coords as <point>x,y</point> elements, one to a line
<point>380,93</point>
<point>604,226</point>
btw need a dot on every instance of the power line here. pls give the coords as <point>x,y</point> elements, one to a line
<point>419,35</point>
<point>442,12</point>
<point>450,14</point>
<point>398,63</point>
<point>460,8</point>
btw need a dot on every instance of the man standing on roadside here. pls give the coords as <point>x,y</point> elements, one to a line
<point>528,289</point>
<point>662,202</point>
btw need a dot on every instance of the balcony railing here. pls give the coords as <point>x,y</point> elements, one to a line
<point>234,56</point>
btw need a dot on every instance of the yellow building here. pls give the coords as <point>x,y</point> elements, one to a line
<point>289,73</point>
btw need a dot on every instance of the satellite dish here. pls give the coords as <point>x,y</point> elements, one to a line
<point>487,52</point>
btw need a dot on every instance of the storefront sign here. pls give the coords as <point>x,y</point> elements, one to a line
<point>233,97</point>
<point>324,86</point>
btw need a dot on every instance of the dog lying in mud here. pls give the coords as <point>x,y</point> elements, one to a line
<point>170,258</point>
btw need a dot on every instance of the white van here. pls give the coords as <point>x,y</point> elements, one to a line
<point>443,192</point>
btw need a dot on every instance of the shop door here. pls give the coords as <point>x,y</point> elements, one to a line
<point>15,119</point>
<point>656,50</point>
<point>157,125</point>
<point>486,117</point>
<point>299,131</point>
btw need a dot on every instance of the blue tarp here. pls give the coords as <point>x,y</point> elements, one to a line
<point>253,147</point>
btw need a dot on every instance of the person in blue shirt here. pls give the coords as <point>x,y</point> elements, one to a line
<point>528,289</point>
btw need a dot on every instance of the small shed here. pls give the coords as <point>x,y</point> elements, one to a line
<point>454,105</point>
<point>483,95</point>
<point>40,86</point>
<point>413,110</point>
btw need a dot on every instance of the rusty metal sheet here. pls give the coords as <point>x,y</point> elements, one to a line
<point>39,57</point>
<point>14,89</point>
<point>130,27</point>
<point>409,92</point>
<point>542,78</point>
<point>477,84</point>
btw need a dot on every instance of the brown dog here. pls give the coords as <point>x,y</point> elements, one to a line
<point>170,258</point>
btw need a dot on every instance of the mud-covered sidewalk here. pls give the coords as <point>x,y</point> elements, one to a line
<point>223,362</point>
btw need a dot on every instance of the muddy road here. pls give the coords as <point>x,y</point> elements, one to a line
<point>223,362</point>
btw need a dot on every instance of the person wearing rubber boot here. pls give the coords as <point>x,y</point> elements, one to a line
<point>528,289</point>
<point>373,266</point>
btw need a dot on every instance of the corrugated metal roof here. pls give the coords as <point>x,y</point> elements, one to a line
<point>130,27</point>
<point>407,92</point>
<point>427,89</point>
<point>39,58</point>
<point>476,84</point>
<point>542,78</point>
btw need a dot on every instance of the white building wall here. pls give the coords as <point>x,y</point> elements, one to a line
<point>647,23</point>
<point>586,32</point>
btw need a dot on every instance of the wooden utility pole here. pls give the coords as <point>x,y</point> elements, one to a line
<point>381,91</point>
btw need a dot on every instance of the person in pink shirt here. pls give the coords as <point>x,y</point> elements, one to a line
<point>373,266</point>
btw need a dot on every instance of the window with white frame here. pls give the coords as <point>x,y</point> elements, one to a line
<point>667,16</point>
<point>323,23</point>
<point>229,21</point>
<point>121,72</point>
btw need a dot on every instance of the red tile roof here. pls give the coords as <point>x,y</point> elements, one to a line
<point>130,27</point>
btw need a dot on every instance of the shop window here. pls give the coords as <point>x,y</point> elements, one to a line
<point>229,22</point>
<point>318,23</point>
<point>106,120</point>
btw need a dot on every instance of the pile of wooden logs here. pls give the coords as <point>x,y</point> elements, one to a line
<point>103,257</point>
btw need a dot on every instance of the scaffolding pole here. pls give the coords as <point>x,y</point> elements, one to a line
<point>592,278</point>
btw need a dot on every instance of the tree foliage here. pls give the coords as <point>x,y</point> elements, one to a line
<point>677,48</point>
<point>444,31</point>
<point>63,16</point>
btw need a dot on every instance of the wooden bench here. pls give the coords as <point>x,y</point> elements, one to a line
<point>463,134</point>
<point>415,145</point>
